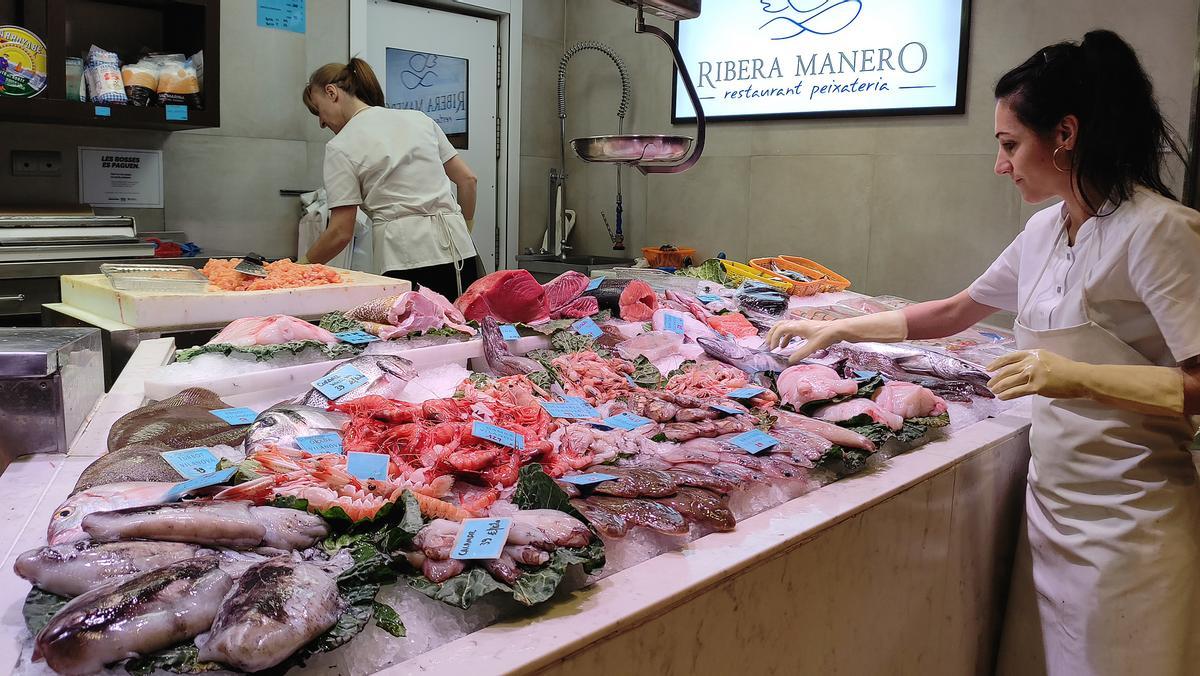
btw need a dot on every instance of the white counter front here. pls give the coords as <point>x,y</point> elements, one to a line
<point>900,569</point>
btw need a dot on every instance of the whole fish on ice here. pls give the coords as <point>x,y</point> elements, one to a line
<point>500,360</point>
<point>77,567</point>
<point>948,376</point>
<point>275,608</point>
<point>152,611</point>
<point>225,523</point>
<point>753,362</point>
<point>387,376</point>
<point>282,424</point>
<point>66,525</point>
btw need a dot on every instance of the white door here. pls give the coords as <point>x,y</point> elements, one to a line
<point>444,64</point>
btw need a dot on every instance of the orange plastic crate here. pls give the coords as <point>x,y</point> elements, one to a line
<point>824,279</point>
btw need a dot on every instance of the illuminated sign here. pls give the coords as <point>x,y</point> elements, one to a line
<point>752,59</point>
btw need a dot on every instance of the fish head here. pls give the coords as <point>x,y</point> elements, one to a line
<point>66,524</point>
<point>724,350</point>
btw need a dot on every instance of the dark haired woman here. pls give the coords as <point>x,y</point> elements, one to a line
<point>398,166</point>
<point>1106,288</point>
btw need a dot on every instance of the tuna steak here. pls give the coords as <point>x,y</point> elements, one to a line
<point>564,288</point>
<point>508,295</point>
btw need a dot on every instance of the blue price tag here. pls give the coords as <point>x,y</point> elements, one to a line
<point>509,332</point>
<point>498,435</point>
<point>708,298</point>
<point>589,479</point>
<point>573,407</point>
<point>356,337</point>
<point>865,375</point>
<point>754,442</point>
<point>191,462</point>
<point>595,284</point>
<point>746,393</point>
<point>481,538</point>
<point>728,409</point>
<point>341,381</point>
<point>177,112</point>
<point>587,327</point>
<point>318,444</point>
<point>103,111</point>
<point>235,416</point>
<point>630,380</point>
<point>673,323</point>
<point>204,481</point>
<point>367,466</point>
<point>626,421</point>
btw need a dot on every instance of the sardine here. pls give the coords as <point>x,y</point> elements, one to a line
<point>224,523</point>
<point>66,525</point>
<point>387,376</point>
<point>273,610</point>
<point>281,424</point>
<point>499,359</point>
<point>703,507</point>
<point>77,567</point>
<point>150,612</point>
<point>753,362</point>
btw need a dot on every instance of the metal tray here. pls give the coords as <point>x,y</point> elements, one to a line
<point>163,278</point>
<point>636,149</point>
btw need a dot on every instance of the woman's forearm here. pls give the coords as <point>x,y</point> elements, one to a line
<point>336,237</point>
<point>946,317</point>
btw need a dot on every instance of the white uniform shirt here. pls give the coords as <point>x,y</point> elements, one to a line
<point>390,163</point>
<point>1139,265</point>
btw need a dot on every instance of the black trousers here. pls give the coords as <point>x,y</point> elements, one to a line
<point>440,278</point>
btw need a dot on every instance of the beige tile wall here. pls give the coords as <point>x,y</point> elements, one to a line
<point>902,205</point>
<point>541,50</point>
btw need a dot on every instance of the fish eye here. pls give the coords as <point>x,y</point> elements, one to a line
<point>64,513</point>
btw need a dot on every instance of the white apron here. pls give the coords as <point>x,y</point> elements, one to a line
<point>423,240</point>
<point>1105,577</point>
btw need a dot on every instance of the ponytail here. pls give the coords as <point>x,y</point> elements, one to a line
<point>356,78</point>
<point>1121,129</point>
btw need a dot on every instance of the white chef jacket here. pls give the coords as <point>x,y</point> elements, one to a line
<point>1140,266</point>
<point>390,163</point>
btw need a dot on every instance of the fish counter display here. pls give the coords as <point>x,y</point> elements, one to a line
<point>416,504</point>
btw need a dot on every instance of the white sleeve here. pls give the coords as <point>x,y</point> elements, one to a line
<point>341,179</point>
<point>446,151</point>
<point>1165,275</point>
<point>998,286</point>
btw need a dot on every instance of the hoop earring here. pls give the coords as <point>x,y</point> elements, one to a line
<point>1054,159</point>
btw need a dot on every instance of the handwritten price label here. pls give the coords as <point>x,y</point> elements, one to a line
<point>481,539</point>
<point>589,479</point>
<point>572,407</point>
<point>509,332</point>
<point>191,462</point>
<point>317,444</point>
<point>498,435</point>
<point>341,381</point>
<point>728,409</point>
<point>673,323</point>
<point>235,416</point>
<point>356,337</point>
<point>746,393</point>
<point>587,327</point>
<point>754,442</point>
<point>181,489</point>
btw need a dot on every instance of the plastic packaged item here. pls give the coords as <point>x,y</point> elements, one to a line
<point>177,83</point>
<point>74,71</point>
<point>761,297</point>
<point>197,60</point>
<point>23,71</point>
<point>155,278</point>
<point>141,82</point>
<point>661,281</point>
<point>668,256</point>
<point>103,77</point>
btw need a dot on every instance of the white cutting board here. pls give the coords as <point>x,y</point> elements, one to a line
<point>213,309</point>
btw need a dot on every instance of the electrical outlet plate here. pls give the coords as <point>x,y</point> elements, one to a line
<point>39,163</point>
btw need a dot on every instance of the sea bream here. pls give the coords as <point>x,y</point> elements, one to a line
<point>275,608</point>
<point>282,424</point>
<point>387,376</point>
<point>152,611</point>
<point>78,567</point>
<point>222,523</point>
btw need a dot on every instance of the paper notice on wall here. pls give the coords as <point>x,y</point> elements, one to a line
<point>112,177</point>
<point>287,15</point>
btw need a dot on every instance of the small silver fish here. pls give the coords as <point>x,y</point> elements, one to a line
<point>150,612</point>
<point>752,362</point>
<point>275,608</point>
<point>281,424</point>
<point>79,567</point>
<point>387,376</point>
